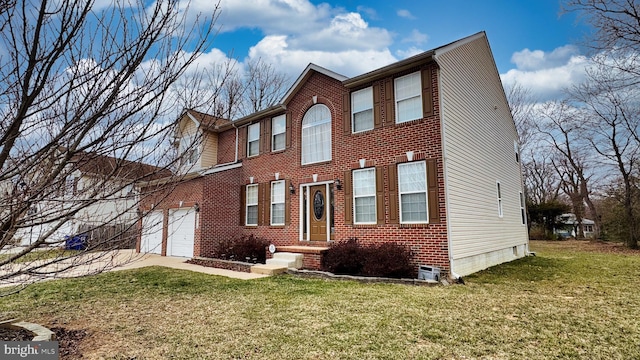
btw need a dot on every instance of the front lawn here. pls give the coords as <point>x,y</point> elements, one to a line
<point>568,302</point>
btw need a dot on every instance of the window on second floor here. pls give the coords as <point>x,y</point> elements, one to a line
<point>278,133</point>
<point>189,150</point>
<point>362,110</point>
<point>316,135</point>
<point>253,140</point>
<point>408,97</point>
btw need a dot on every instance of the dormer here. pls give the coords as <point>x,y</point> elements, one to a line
<point>196,139</point>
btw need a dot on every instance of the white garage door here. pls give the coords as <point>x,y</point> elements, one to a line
<point>152,233</point>
<point>182,225</point>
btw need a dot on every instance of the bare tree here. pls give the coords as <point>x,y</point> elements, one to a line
<point>562,127</point>
<point>264,86</point>
<point>86,90</point>
<point>612,116</point>
<point>617,28</point>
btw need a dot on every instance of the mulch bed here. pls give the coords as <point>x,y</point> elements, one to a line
<point>222,264</point>
<point>68,340</point>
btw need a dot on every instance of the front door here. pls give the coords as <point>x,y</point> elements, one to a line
<point>318,209</point>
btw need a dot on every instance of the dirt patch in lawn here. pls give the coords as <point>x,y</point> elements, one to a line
<point>68,340</point>
<point>592,246</point>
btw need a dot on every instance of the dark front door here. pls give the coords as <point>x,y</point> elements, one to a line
<point>318,210</point>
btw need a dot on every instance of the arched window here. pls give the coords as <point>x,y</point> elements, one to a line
<point>316,135</point>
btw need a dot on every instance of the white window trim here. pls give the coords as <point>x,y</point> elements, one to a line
<point>397,99</point>
<point>274,203</point>
<point>247,204</point>
<point>375,200</point>
<point>353,113</point>
<point>499,198</point>
<point>249,141</point>
<point>273,133</point>
<point>426,193</point>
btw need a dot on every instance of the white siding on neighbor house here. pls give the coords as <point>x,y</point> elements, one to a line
<point>478,133</point>
<point>209,155</point>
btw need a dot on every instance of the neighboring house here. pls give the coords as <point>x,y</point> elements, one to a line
<point>567,226</point>
<point>422,152</point>
<point>90,177</point>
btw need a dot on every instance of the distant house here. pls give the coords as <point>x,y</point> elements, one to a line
<point>422,152</point>
<point>568,226</point>
<point>89,177</point>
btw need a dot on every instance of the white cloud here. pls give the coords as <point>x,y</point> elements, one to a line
<point>405,14</point>
<point>275,50</point>
<point>538,59</point>
<point>416,37</point>
<point>403,54</point>
<point>546,74</point>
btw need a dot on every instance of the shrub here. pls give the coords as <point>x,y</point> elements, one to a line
<point>344,258</point>
<point>247,249</point>
<point>352,258</point>
<point>388,260</point>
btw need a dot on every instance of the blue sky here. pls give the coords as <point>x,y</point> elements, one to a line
<point>533,43</point>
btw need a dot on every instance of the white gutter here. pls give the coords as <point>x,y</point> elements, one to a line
<point>221,167</point>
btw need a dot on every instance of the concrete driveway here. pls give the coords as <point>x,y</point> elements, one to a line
<point>98,262</point>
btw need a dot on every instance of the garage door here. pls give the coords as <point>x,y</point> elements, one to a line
<point>152,233</point>
<point>182,224</point>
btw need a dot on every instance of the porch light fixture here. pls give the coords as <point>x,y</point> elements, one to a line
<point>196,207</point>
<point>292,189</point>
<point>338,184</point>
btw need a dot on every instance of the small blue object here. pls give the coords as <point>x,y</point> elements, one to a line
<point>78,242</point>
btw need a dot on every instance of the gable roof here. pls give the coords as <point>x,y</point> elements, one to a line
<point>108,166</point>
<point>308,71</point>
<point>207,121</point>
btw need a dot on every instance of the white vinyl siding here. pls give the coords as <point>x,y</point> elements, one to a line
<point>316,135</point>
<point>277,202</point>
<point>278,133</point>
<point>364,196</point>
<point>252,205</point>
<point>362,110</point>
<point>253,140</point>
<point>478,135</point>
<point>408,97</point>
<point>412,187</point>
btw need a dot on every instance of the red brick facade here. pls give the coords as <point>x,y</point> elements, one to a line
<point>219,194</point>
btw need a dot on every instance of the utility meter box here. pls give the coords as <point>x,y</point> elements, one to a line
<point>428,273</point>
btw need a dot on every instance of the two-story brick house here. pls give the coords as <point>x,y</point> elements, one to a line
<point>422,152</point>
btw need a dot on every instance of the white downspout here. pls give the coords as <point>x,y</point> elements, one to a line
<point>236,157</point>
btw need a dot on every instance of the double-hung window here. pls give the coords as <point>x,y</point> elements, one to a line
<point>278,133</point>
<point>523,213</point>
<point>316,135</point>
<point>252,205</point>
<point>277,202</point>
<point>499,193</point>
<point>364,196</point>
<point>253,140</point>
<point>408,97</point>
<point>412,186</point>
<point>362,110</point>
<point>189,150</point>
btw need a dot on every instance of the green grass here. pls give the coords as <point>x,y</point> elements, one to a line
<point>37,255</point>
<point>565,303</point>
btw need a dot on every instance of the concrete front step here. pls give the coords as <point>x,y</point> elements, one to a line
<point>290,260</point>
<point>268,269</point>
